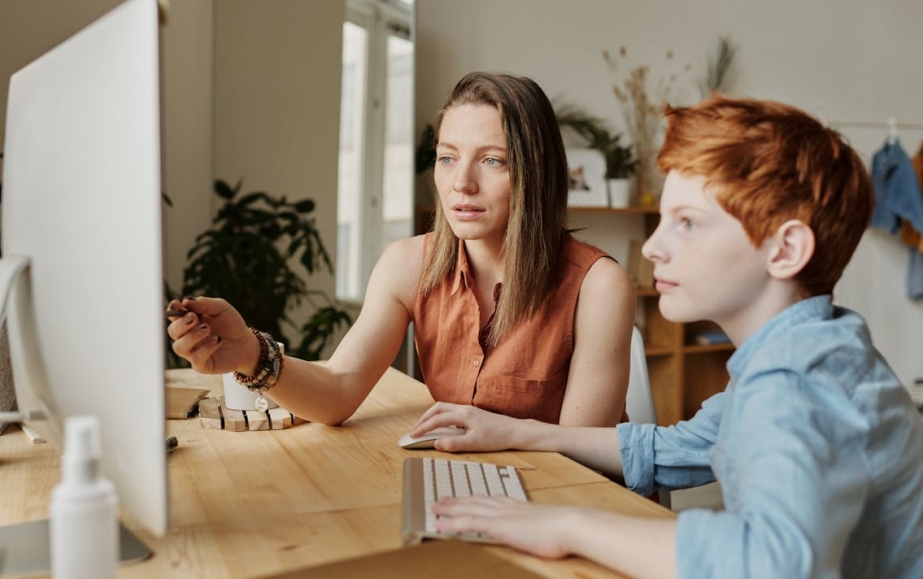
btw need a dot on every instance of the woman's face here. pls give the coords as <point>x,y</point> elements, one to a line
<point>472,173</point>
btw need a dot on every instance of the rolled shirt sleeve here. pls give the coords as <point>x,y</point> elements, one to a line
<point>673,457</point>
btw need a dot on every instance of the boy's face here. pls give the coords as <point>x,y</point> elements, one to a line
<point>705,266</point>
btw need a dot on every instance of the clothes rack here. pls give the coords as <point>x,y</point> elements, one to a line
<point>892,124</point>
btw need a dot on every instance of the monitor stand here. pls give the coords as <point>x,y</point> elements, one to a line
<point>24,548</point>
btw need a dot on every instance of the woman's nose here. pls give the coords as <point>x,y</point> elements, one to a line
<point>464,180</point>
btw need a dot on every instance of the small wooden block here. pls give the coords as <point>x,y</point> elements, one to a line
<point>257,420</point>
<point>210,414</point>
<point>213,414</point>
<point>279,418</point>
<point>233,419</point>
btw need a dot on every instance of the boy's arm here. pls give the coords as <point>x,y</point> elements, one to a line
<point>595,447</point>
<point>654,456</point>
<point>678,456</point>
<point>640,547</point>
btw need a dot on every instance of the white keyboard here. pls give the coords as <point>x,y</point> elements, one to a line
<point>426,480</point>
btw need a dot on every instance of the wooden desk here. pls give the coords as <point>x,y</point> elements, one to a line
<point>251,504</point>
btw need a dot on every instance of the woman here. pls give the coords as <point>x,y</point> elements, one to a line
<point>510,313</point>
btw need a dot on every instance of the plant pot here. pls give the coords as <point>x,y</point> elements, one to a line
<point>619,192</point>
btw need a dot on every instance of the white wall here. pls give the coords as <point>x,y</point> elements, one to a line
<point>277,104</point>
<point>250,89</point>
<point>840,59</point>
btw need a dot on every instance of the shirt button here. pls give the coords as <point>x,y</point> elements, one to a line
<point>477,363</point>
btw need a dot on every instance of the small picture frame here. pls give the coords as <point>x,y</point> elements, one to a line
<point>586,169</point>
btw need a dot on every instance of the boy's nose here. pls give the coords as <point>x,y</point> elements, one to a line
<point>651,249</point>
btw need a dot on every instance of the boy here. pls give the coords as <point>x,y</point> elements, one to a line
<point>817,446</point>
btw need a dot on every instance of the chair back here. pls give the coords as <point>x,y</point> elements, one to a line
<point>639,402</point>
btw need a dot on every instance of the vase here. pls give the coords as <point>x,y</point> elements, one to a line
<point>619,193</point>
<point>650,181</point>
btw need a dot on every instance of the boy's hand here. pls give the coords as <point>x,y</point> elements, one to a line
<point>484,431</point>
<point>529,527</point>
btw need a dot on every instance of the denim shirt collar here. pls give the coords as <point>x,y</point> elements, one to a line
<point>813,308</point>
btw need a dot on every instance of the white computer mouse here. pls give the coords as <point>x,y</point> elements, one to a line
<point>428,440</point>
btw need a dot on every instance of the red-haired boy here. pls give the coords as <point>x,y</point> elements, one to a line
<point>817,446</point>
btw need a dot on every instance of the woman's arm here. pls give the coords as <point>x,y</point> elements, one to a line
<point>598,377</point>
<point>217,341</point>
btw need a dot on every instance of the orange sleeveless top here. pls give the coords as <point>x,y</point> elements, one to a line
<point>525,375</point>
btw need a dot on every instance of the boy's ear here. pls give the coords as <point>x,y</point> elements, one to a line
<point>793,249</point>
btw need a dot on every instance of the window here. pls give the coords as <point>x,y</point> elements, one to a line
<point>375,197</point>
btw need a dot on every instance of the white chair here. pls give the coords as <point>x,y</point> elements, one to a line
<point>639,402</point>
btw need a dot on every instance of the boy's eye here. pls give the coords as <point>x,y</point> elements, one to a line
<point>687,224</point>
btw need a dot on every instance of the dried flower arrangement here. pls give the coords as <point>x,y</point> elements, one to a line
<point>721,71</point>
<point>641,114</point>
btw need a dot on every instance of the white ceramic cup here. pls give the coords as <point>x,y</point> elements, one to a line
<point>237,397</point>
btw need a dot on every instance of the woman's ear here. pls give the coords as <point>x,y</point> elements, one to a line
<point>793,249</point>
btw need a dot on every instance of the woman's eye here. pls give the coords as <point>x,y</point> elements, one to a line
<point>444,160</point>
<point>493,162</point>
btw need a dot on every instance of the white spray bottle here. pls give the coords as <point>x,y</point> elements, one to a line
<point>84,509</point>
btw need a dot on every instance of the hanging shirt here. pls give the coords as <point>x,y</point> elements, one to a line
<point>899,202</point>
<point>525,374</point>
<point>897,192</point>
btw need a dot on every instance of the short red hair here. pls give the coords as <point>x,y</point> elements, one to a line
<point>767,163</point>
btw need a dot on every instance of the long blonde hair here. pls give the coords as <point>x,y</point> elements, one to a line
<point>538,204</point>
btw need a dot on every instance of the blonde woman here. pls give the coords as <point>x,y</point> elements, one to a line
<point>511,313</point>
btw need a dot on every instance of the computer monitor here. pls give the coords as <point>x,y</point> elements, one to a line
<point>81,277</point>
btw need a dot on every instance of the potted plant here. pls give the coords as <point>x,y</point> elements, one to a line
<point>620,161</point>
<point>251,255</point>
<point>621,165</point>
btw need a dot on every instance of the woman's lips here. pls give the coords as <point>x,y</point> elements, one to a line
<point>467,212</point>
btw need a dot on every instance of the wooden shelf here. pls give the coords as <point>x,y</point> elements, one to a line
<point>708,348</point>
<point>652,352</point>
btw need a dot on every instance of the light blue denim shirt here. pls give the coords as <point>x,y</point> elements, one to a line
<point>819,452</point>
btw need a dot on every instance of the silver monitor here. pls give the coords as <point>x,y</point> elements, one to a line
<point>81,276</point>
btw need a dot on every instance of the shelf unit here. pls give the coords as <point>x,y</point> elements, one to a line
<point>683,374</point>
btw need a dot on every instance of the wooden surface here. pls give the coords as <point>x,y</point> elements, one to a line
<point>263,503</point>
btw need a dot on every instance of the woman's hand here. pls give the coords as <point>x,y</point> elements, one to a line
<point>484,431</point>
<point>530,527</point>
<point>212,335</point>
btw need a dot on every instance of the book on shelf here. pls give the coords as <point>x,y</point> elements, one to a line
<point>711,337</point>
<point>640,268</point>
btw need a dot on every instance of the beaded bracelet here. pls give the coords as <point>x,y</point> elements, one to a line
<point>269,366</point>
